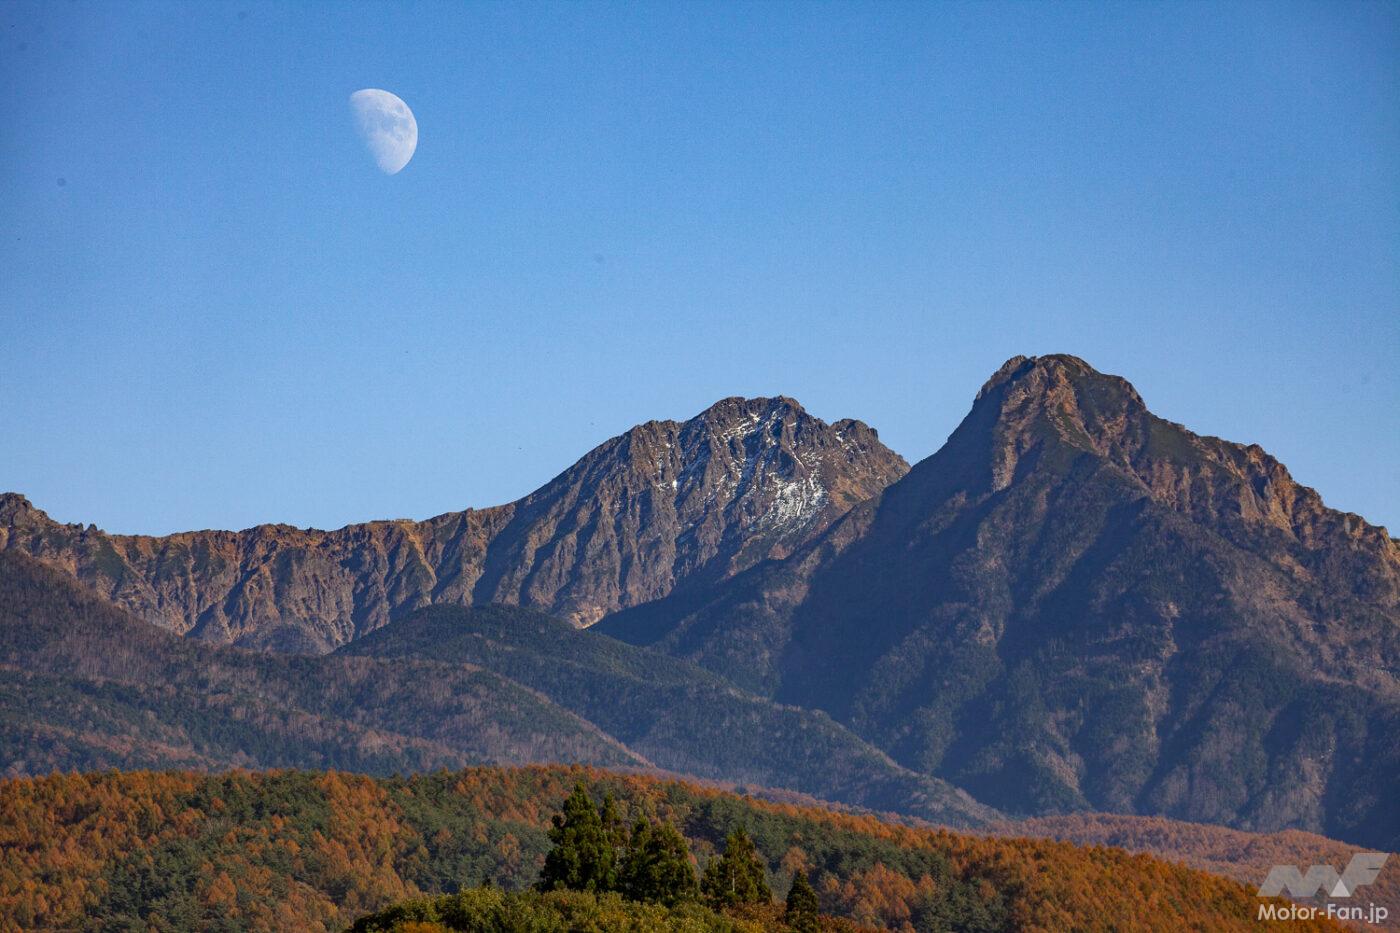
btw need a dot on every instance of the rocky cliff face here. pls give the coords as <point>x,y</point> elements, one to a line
<point>675,504</point>
<point>665,506</point>
<point>1076,604</point>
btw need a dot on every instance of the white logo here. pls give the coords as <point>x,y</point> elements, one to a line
<point>1360,871</point>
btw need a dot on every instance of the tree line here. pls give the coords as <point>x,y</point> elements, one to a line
<point>593,851</point>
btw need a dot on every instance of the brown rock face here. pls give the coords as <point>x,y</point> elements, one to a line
<point>663,507</point>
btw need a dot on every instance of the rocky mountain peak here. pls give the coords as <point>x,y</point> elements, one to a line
<point>749,426</point>
<point>12,510</point>
<point>1057,368</point>
<point>14,506</point>
<point>675,503</point>
<point>1054,406</point>
<point>1048,410</point>
<point>18,512</point>
<point>1061,396</point>
<point>737,408</point>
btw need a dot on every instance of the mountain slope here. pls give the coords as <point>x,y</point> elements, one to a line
<point>1078,605</point>
<point>306,851</point>
<point>665,506</point>
<point>675,714</point>
<point>1246,857</point>
<point>84,685</point>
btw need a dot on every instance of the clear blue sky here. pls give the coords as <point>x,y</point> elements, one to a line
<point>217,312</point>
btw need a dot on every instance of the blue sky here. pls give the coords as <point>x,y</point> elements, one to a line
<point>218,312</point>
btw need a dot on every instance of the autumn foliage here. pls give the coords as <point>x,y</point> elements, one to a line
<point>1246,857</point>
<point>315,850</point>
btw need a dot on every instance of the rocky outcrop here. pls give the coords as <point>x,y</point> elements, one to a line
<point>665,506</point>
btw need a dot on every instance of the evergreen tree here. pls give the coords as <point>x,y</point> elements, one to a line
<point>612,824</point>
<point>738,876</point>
<point>582,858</point>
<point>657,866</point>
<point>802,907</point>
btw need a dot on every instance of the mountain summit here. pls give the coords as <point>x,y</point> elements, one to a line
<point>1076,604</point>
<point>1240,486</point>
<point>674,503</point>
<point>664,506</point>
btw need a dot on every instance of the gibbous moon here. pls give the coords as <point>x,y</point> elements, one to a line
<point>387,127</point>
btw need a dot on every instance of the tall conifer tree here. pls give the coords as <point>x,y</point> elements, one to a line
<point>582,858</point>
<point>738,876</point>
<point>657,866</point>
<point>802,906</point>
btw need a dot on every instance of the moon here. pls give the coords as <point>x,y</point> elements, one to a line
<point>387,127</point>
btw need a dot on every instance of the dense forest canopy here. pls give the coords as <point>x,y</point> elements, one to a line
<point>235,851</point>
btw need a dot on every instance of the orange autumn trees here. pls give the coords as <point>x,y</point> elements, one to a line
<point>1246,857</point>
<point>314,850</point>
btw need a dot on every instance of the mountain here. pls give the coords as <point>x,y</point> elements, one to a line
<point>83,685</point>
<point>1076,605</point>
<point>677,715</point>
<point>312,851</point>
<point>666,506</point>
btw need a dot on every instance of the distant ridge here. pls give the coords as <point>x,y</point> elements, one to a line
<point>664,506</point>
<point>86,687</point>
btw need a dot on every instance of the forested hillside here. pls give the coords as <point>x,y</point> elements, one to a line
<point>1246,857</point>
<point>85,686</point>
<point>675,714</point>
<point>491,910</point>
<point>312,851</point>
